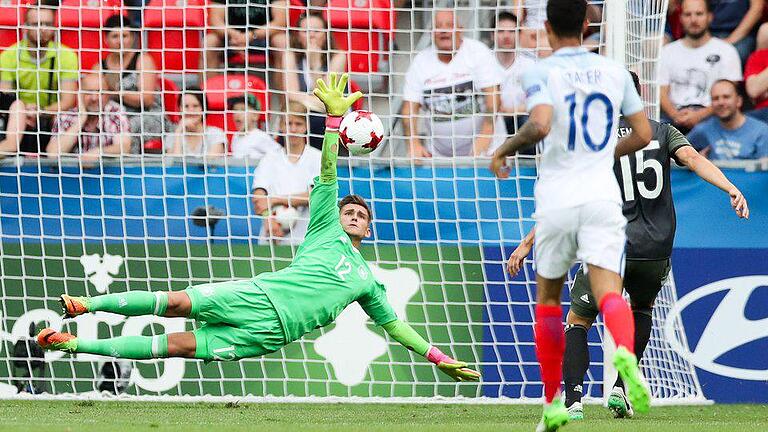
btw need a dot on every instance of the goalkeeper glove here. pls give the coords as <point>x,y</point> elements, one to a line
<point>332,95</point>
<point>453,368</point>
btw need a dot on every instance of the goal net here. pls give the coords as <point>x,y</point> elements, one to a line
<point>443,227</point>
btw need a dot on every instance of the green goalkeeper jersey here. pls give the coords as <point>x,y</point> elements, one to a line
<point>327,274</point>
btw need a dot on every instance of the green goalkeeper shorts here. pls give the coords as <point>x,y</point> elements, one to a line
<point>237,321</point>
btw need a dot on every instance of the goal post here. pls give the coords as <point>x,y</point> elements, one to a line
<point>441,235</point>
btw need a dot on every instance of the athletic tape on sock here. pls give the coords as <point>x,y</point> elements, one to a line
<point>160,346</point>
<point>161,303</point>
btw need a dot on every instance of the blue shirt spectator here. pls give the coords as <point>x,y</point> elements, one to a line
<point>749,141</point>
<point>729,134</point>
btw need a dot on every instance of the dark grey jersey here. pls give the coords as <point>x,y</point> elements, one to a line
<point>645,185</point>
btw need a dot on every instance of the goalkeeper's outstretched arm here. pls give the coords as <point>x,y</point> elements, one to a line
<point>409,338</point>
<point>336,105</point>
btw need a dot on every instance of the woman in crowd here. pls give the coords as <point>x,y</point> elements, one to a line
<point>192,136</point>
<point>312,56</point>
<point>133,82</point>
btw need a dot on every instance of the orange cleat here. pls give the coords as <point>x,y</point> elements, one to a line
<point>73,306</point>
<point>50,339</point>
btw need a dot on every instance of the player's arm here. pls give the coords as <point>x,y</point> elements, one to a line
<point>634,115</point>
<point>534,130</point>
<point>336,105</point>
<point>639,137</point>
<point>409,338</point>
<point>522,250</point>
<point>687,156</point>
<point>374,303</point>
<point>323,213</point>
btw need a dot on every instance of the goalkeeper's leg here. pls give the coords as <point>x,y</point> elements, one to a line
<point>237,321</point>
<point>129,347</point>
<point>130,303</point>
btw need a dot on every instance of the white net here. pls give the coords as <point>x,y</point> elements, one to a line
<point>182,213</point>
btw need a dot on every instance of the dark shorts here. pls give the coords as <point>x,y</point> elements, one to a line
<point>643,280</point>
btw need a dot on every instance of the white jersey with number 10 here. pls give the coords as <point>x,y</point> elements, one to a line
<point>588,93</point>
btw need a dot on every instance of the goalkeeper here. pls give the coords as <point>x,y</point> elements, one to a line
<point>250,318</point>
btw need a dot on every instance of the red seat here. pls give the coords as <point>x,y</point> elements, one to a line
<point>220,88</point>
<point>362,28</point>
<point>361,14</point>
<point>174,33</point>
<point>296,9</point>
<point>11,18</point>
<point>171,96</point>
<point>80,22</point>
<point>363,50</point>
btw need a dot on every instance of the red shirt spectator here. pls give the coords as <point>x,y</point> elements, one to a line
<point>756,78</point>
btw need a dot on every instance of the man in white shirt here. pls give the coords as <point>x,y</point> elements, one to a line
<point>690,66</point>
<point>514,61</point>
<point>282,182</point>
<point>249,142</point>
<point>456,81</point>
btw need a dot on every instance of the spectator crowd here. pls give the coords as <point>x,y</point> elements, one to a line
<point>461,96</point>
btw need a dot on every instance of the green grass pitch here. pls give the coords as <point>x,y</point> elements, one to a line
<point>86,416</point>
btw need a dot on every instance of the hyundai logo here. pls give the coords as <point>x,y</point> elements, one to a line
<point>726,330</point>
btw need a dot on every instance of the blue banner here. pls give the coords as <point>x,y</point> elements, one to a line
<point>723,303</point>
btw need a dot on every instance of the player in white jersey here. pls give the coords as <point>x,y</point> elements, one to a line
<point>575,98</point>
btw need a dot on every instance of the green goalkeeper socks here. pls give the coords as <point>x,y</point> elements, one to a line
<point>128,347</point>
<point>130,303</point>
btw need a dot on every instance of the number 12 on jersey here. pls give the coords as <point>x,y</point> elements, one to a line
<point>586,133</point>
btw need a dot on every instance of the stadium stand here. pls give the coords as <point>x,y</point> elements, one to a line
<point>80,22</point>
<point>223,87</point>
<point>364,30</point>
<point>11,18</point>
<point>174,31</point>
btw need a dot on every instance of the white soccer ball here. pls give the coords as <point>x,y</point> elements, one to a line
<point>361,132</point>
<point>286,217</point>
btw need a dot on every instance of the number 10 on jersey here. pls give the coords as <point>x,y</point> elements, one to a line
<point>589,141</point>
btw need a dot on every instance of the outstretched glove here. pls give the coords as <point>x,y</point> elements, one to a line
<point>332,95</point>
<point>453,368</point>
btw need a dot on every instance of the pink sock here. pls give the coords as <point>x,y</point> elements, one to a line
<point>550,345</point>
<point>618,318</point>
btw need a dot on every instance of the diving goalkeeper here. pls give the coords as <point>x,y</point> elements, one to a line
<point>250,318</point>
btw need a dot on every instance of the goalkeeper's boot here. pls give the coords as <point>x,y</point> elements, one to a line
<point>555,416</point>
<point>619,404</point>
<point>73,306</point>
<point>637,391</point>
<point>50,339</point>
<point>576,411</point>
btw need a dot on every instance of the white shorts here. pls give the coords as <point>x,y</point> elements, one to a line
<point>593,233</point>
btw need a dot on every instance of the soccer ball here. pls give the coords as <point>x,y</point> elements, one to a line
<point>286,217</point>
<point>361,132</point>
